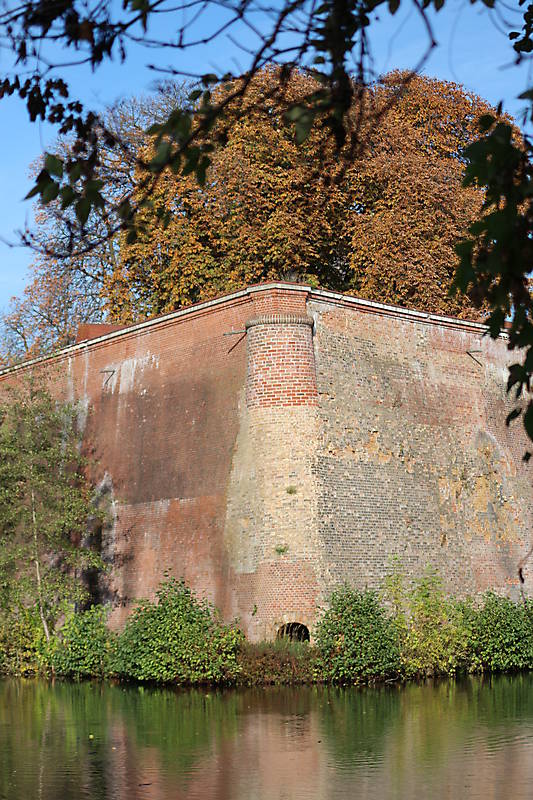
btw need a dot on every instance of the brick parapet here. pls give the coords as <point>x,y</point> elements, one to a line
<point>280,361</point>
<point>263,298</point>
<point>279,299</point>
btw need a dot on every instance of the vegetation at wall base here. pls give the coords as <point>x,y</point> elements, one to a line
<point>356,639</point>
<point>277,663</point>
<point>410,632</point>
<point>177,639</point>
<point>84,647</point>
<point>434,631</point>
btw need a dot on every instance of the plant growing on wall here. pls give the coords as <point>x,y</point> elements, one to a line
<point>44,505</point>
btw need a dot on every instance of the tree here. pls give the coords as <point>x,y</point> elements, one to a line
<point>45,505</point>
<point>65,292</point>
<point>497,256</point>
<point>320,38</point>
<point>325,38</point>
<point>267,211</point>
<point>56,301</point>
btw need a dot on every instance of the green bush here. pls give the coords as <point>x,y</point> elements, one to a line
<point>502,636</point>
<point>177,639</point>
<point>356,639</point>
<point>83,645</point>
<point>23,647</point>
<point>433,630</point>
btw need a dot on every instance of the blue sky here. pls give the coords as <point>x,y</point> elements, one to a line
<point>471,50</point>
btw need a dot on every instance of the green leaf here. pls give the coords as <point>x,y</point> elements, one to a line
<point>50,192</point>
<point>34,191</point>
<point>54,165</point>
<point>486,121</point>
<point>83,209</point>
<point>162,155</point>
<point>74,172</point>
<point>124,210</point>
<point>67,195</point>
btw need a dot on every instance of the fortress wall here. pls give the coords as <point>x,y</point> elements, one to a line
<point>163,422</point>
<point>414,459</point>
<point>163,408</point>
<point>271,444</point>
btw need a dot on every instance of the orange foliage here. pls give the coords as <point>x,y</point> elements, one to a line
<point>382,226</point>
<point>380,222</point>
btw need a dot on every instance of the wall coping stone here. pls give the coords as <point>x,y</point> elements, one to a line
<point>321,295</point>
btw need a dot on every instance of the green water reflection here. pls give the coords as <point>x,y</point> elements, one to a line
<point>470,739</point>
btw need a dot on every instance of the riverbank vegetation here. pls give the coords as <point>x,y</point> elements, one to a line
<point>47,513</point>
<point>406,631</point>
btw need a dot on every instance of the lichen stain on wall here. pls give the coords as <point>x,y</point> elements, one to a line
<point>122,377</point>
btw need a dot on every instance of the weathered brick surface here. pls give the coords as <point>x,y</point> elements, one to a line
<point>414,458</point>
<point>276,442</point>
<point>271,523</point>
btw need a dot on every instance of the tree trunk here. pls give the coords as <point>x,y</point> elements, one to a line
<point>38,568</point>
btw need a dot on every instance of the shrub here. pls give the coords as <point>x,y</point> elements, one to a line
<point>83,645</point>
<point>356,639</point>
<point>23,647</point>
<point>177,639</point>
<point>433,630</point>
<point>502,636</point>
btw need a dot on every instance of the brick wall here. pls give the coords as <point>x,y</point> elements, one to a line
<point>281,362</point>
<point>414,460</point>
<point>273,443</point>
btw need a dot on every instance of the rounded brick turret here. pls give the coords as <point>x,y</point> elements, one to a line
<point>280,361</point>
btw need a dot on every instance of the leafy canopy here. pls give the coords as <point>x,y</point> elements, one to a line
<point>330,39</point>
<point>382,226</point>
<point>45,505</point>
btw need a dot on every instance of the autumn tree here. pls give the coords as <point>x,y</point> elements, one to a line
<point>64,292</point>
<point>383,226</point>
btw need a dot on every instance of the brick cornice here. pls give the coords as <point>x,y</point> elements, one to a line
<point>251,292</point>
<point>279,319</point>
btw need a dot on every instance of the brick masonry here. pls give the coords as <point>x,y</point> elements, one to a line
<point>271,444</point>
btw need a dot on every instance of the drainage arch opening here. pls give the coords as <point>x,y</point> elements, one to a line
<point>294,631</point>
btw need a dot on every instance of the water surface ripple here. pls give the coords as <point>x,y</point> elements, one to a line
<point>467,739</point>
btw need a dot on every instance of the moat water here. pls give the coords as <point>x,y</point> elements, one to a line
<point>451,740</point>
